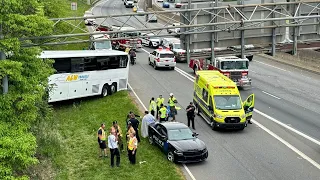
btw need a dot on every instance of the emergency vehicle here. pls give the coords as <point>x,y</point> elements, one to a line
<point>218,101</point>
<point>235,68</point>
<point>175,46</point>
<point>103,43</point>
<point>130,38</point>
<point>162,58</point>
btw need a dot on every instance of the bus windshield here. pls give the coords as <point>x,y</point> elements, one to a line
<point>225,65</point>
<point>227,102</point>
<point>103,45</point>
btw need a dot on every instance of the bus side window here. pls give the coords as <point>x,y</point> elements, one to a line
<point>62,65</point>
<point>205,95</point>
<point>123,61</point>
<point>77,64</point>
<point>114,62</point>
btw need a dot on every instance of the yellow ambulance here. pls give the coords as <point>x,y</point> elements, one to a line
<point>218,101</point>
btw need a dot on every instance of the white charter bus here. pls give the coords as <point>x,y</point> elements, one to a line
<point>82,73</point>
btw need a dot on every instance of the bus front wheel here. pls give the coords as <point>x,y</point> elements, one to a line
<point>105,90</point>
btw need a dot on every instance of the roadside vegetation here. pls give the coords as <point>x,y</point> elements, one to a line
<point>72,142</point>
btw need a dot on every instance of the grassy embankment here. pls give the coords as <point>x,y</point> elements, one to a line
<point>67,142</point>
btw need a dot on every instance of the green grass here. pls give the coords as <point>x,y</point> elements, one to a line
<point>66,12</point>
<point>75,126</point>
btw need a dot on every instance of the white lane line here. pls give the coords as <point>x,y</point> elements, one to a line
<point>288,127</point>
<point>287,144</point>
<point>185,166</point>
<point>185,74</point>
<point>271,66</point>
<point>145,50</point>
<point>271,95</point>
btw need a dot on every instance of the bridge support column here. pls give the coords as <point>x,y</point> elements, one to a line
<point>273,49</point>
<point>242,41</point>
<point>295,41</point>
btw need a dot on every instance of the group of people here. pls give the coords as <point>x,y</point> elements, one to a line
<point>157,111</point>
<point>163,112</point>
<point>115,140</point>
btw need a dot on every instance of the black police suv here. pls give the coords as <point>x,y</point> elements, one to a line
<point>178,142</point>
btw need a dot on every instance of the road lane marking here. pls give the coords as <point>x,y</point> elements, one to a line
<point>135,94</point>
<point>287,144</point>
<point>271,66</point>
<point>185,74</point>
<point>288,127</point>
<point>271,95</point>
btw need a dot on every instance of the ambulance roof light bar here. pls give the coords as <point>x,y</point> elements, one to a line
<point>224,87</point>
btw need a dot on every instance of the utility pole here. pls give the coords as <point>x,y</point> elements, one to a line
<point>3,57</point>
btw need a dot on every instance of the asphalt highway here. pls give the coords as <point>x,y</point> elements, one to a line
<point>265,149</point>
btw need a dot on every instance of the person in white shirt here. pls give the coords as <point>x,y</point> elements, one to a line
<point>113,146</point>
<point>146,121</point>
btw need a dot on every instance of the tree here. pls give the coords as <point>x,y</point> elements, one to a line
<point>20,108</point>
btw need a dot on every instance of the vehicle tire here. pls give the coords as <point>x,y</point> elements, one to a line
<point>155,66</point>
<point>151,140</point>
<point>124,3</point>
<point>172,68</point>
<point>213,125</point>
<point>113,88</point>
<point>150,45</point>
<point>195,69</point>
<point>149,61</point>
<point>105,90</point>
<point>170,156</point>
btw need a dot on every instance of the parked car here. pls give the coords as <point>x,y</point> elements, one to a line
<point>178,142</point>
<point>87,20</point>
<point>128,3</point>
<point>153,42</point>
<point>166,5</point>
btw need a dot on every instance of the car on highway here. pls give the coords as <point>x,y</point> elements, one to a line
<point>177,5</point>
<point>87,20</point>
<point>139,11</point>
<point>151,18</point>
<point>153,42</point>
<point>104,42</point>
<point>162,58</point>
<point>128,3</point>
<point>166,5</point>
<point>173,29</point>
<point>178,142</point>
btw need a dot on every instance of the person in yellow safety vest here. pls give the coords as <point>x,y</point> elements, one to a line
<point>102,140</point>
<point>127,50</point>
<point>172,103</point>
<point>132,148</point>
<point>246,106</point>
<point>163,113</point>
<point>160,100</point>
<point>152,106</point>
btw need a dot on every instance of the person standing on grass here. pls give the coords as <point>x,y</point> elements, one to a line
<point>116,128</point>
<point>102,140</point>
<point>132,148</point>
<point>146,121</point>
<point>135,124</point>
<point>113,146</point>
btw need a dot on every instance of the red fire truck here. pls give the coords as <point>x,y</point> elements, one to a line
<point>235,68</point>
<point>130,38</point>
